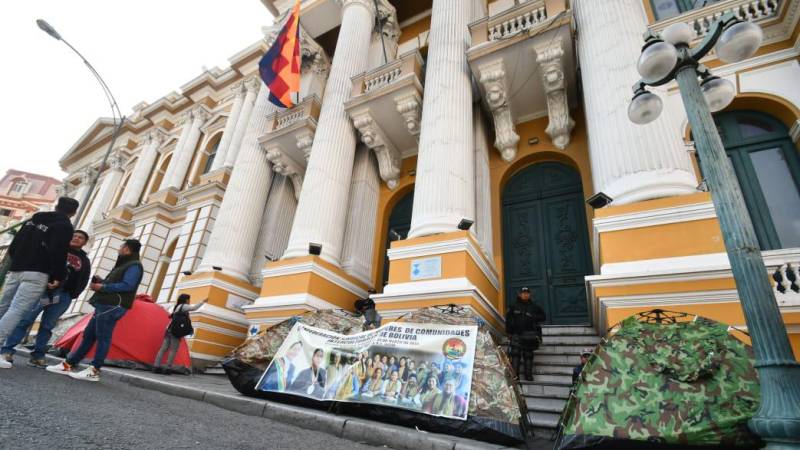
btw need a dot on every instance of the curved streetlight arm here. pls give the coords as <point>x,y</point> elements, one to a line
<point>115,111</point>
<point>690,56</point>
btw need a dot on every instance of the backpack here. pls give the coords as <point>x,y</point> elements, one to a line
<point>181,325</point>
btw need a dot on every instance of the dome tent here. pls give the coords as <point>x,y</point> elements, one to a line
<point>495,412</point>
<point>664,380</point>
<point>136,340</point>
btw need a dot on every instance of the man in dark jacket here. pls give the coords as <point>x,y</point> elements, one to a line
<point>53,304</point>
<point>112,298</point>
<point>523,324</point>
<point>38,262</point>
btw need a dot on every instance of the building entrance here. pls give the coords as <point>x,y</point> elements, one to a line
<point>545,241</point>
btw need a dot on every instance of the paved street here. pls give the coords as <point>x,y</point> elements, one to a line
<point>43,410</point>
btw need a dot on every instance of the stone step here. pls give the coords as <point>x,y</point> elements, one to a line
<point>564,380</point>
<point>544,390</point>
<point>561,349</point>
<point>552,369</point>
<point>543,419</point>
<point>556,358</point>
<point>568,330</point>
<point>545,404</point>
<point>582,340</point>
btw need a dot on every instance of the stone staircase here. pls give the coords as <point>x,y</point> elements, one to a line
<point>547,394</point>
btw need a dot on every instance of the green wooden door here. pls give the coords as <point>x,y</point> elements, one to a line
<point>545,241</point>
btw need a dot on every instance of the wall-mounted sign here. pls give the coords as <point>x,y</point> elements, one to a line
<point>425,268</point>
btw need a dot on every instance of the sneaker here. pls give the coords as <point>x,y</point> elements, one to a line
<point>38,363</point>
<point>88,374</point>
<point>4,364</point>
<point>62,368</point>
<point>7,357</point>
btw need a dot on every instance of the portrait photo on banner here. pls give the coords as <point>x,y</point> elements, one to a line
<point>426,368</point>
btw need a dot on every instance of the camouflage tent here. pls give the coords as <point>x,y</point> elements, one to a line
<point>661,384</point>
<point>496,412</point>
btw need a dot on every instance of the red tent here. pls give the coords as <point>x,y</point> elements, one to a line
<point>137,337</point>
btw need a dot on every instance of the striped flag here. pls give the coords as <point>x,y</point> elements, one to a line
<point>280,66</point>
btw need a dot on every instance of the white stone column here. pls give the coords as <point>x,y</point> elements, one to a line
<point>362,213</point>
<point>322,210</point>
<point>483,183</point>
<point>105,193</point>
<point>144,165</point>
<point>235,234</point>
<point>275,226</point>
<point>445,188</point>
<point>185,121</point>
<point>242,123</point>
<point>230,126</point>
<point>630,162</point>
<point>182,159</point>
<point>86,180</point>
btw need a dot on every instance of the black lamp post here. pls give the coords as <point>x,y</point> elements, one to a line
<point>116,115</point>
<point>669,57</point>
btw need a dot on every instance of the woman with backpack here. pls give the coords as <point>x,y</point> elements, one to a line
<point>179,326</point>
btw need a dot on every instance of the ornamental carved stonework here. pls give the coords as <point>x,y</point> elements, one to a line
<point>282,164</point>
<point>493,81</point>
<point>551,66</point>
<point>389,158</point>
<point>410,107</point>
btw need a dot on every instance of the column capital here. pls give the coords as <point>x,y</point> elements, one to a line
<point>237,88</point>
<point>368,4</point>
<point>200,114</point>
<point>493,80</point>
<point>156,135</point>
<point>252,85</point>
<point>117,159</point>
<point>87,174</point>
<point>312,55</point>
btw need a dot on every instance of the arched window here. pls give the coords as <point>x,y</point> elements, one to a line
<point>767,167</point>
<point>212,154</point>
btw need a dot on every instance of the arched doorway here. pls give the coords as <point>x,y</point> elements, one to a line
<point>767,167</point>
<point>545,241</point>
<point>399,225</point>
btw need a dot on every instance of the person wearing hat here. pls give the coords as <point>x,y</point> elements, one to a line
<point>523,324</point>
<point>576,372</point>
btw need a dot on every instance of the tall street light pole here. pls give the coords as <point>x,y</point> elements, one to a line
<point>116,116</point>
<point>669,57</point>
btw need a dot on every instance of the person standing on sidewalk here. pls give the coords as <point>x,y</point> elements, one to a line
<point>54,304</point>
<point>38,262</point>
<point>173,335</point>
<point>112,298</point>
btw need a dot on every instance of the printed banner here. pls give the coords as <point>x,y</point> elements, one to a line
<point>425,368</point>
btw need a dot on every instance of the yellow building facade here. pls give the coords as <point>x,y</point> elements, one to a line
<point>442,152</point>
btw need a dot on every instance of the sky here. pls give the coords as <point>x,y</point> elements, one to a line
<point>143,49</point>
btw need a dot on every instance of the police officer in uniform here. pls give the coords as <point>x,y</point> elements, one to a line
<point>523,324</point>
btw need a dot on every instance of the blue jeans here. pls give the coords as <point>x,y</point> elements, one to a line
<point>50,316</point>
<point>99,329</point>
<point>21,292</point>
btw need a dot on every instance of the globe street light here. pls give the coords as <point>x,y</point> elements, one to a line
<point>116,115</point>
<point>777,420</point>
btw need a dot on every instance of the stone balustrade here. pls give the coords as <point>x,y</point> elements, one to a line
<point>701,19</point>
<point>509,23</point>
<point>308,108</point>
<point>407,65</point>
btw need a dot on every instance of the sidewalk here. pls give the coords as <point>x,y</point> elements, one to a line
<point>218,391</point>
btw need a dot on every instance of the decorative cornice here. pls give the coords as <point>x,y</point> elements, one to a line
<point>372,136</point>
<point>493,80</point>
<point>551,66</point>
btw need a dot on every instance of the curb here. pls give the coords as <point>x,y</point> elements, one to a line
<point>345,427</point>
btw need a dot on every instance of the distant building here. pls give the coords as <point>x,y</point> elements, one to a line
<point>24,193</point>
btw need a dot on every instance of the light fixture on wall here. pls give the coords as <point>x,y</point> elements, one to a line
<point>314,249</point>
<point>465,224</point>
<point>533,141</point>
<point>216,267</point>
<point>599,200</point>
<point>187,272</point>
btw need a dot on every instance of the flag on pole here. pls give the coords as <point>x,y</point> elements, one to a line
<point>280,66</point>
